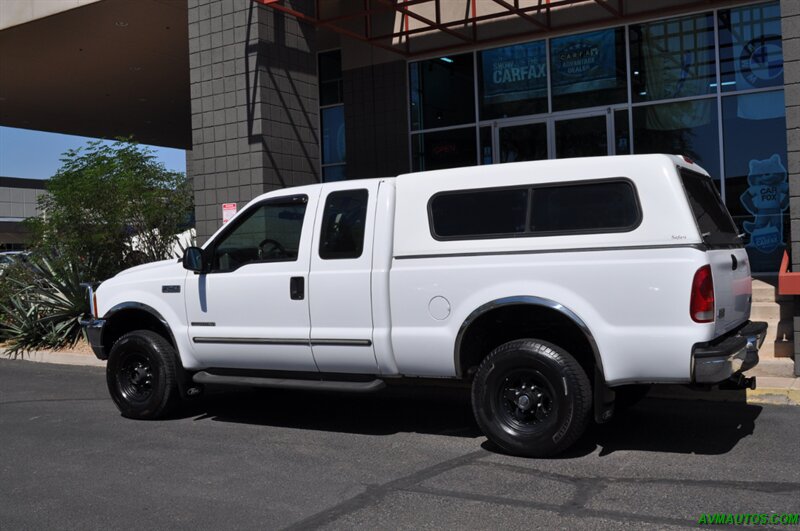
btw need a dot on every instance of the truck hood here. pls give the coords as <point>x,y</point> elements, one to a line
<point>151,269</point>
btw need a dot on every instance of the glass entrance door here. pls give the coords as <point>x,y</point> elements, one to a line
<point>585,136</point>
<point>522,142</point>
<point>556,137</point>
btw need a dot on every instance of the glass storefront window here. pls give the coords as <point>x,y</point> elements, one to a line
<point>678,104</point>
<point>622,133</point>
<point>588,69</point>
<point>330,77</point>
<point>673,58</point>
<point>750,49</point>
<point>513,80</point>
<point>331,115</point>
<point>334,173</point>
<point>333,144</point>
<point>444,149</point>
<point>442,92</point>
<point>683,128</point>
<point>756,184</point>
<point>487,155</point>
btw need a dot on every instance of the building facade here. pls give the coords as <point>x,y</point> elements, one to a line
<point>279,98</point>
<point>18,200</point>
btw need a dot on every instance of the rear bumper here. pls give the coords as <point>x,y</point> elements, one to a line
<point>94,332</point>
<point>726,356</point>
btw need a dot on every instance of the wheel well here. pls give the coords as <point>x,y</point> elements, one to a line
<point>131,319</point>
<point>518,321</point>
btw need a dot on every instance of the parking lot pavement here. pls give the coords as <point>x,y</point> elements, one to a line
<point>410,458</point>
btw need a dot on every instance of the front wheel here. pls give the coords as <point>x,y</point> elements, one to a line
<point>531,398</point>
<point>140,374</point>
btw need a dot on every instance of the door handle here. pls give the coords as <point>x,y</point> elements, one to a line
<point>297,288</point>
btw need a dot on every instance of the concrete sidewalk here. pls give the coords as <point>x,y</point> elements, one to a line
<point>775,383</point>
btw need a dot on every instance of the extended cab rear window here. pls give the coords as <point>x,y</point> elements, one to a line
<point>565,208</point>
<point>713,220</point>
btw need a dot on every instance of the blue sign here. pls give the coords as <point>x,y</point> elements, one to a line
<point>766,199</point>
<point>514,73</point>
<point>582,63</point>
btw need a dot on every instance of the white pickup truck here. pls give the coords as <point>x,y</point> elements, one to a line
<point>545,285</point>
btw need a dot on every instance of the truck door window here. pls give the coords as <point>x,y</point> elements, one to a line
<point>268,233</point>
<point>343,222</point>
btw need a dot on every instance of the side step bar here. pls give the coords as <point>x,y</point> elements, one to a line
<point>203,377</point>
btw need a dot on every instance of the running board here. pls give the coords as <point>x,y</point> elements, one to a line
<point>203,377</point>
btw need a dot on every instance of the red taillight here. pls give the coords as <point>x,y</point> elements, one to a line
<point>701,307</point>
<point>94,304</point>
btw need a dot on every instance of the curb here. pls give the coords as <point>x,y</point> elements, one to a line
<point>773,395</point>
<point>59,358</point>
<point>771,390</point>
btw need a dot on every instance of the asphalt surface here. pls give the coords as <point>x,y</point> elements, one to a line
<point>405,459</point>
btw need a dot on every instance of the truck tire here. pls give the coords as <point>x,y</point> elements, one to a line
<point>531,398</point>
<point>140,374</point>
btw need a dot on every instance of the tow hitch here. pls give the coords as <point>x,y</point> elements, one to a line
<point>737,382</point>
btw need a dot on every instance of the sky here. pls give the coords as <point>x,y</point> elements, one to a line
<point>36,154</point>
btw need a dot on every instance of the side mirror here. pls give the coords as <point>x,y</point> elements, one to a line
<point>193,259</point>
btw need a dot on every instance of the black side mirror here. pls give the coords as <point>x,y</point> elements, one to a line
<point>193,259</point>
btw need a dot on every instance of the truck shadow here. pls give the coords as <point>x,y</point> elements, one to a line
<point>654,425</point>
<point>413,410</point>
<point>672,426</point>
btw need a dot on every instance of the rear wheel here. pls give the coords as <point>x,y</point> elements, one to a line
<point>531,398</point>
<point>140,374</point>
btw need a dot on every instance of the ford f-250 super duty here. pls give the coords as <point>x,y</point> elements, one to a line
<point>545,285</point>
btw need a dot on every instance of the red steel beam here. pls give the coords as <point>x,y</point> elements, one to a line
<point>401,8</point>
<point>274,4</point>
<point>514,10</point>
<point>605,5</point>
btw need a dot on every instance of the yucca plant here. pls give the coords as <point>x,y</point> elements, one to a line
<point>44,311</point>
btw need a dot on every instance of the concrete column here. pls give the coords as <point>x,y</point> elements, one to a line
<point>255,104</point>
<point>790,27</point>
<point>376,120</point>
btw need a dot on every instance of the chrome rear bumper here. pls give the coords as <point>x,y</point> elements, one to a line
<point>734,353</point>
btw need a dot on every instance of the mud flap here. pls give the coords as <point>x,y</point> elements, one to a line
<point>604,398</point>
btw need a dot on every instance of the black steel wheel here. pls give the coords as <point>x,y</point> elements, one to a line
<point>141,375</point>
<point>531,398</point>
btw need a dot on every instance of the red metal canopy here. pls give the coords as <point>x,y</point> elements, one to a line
<point>464,30</point>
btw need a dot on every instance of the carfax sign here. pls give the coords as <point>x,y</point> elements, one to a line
<point>514,73</point>
<point>582,63</point>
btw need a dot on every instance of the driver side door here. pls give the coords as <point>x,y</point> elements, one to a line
<point>250,310</point>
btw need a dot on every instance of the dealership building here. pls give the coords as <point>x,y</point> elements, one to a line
<point>265,94</point>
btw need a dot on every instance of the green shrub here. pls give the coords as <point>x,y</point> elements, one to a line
<point>108,207</point>
<point>43,307</point>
